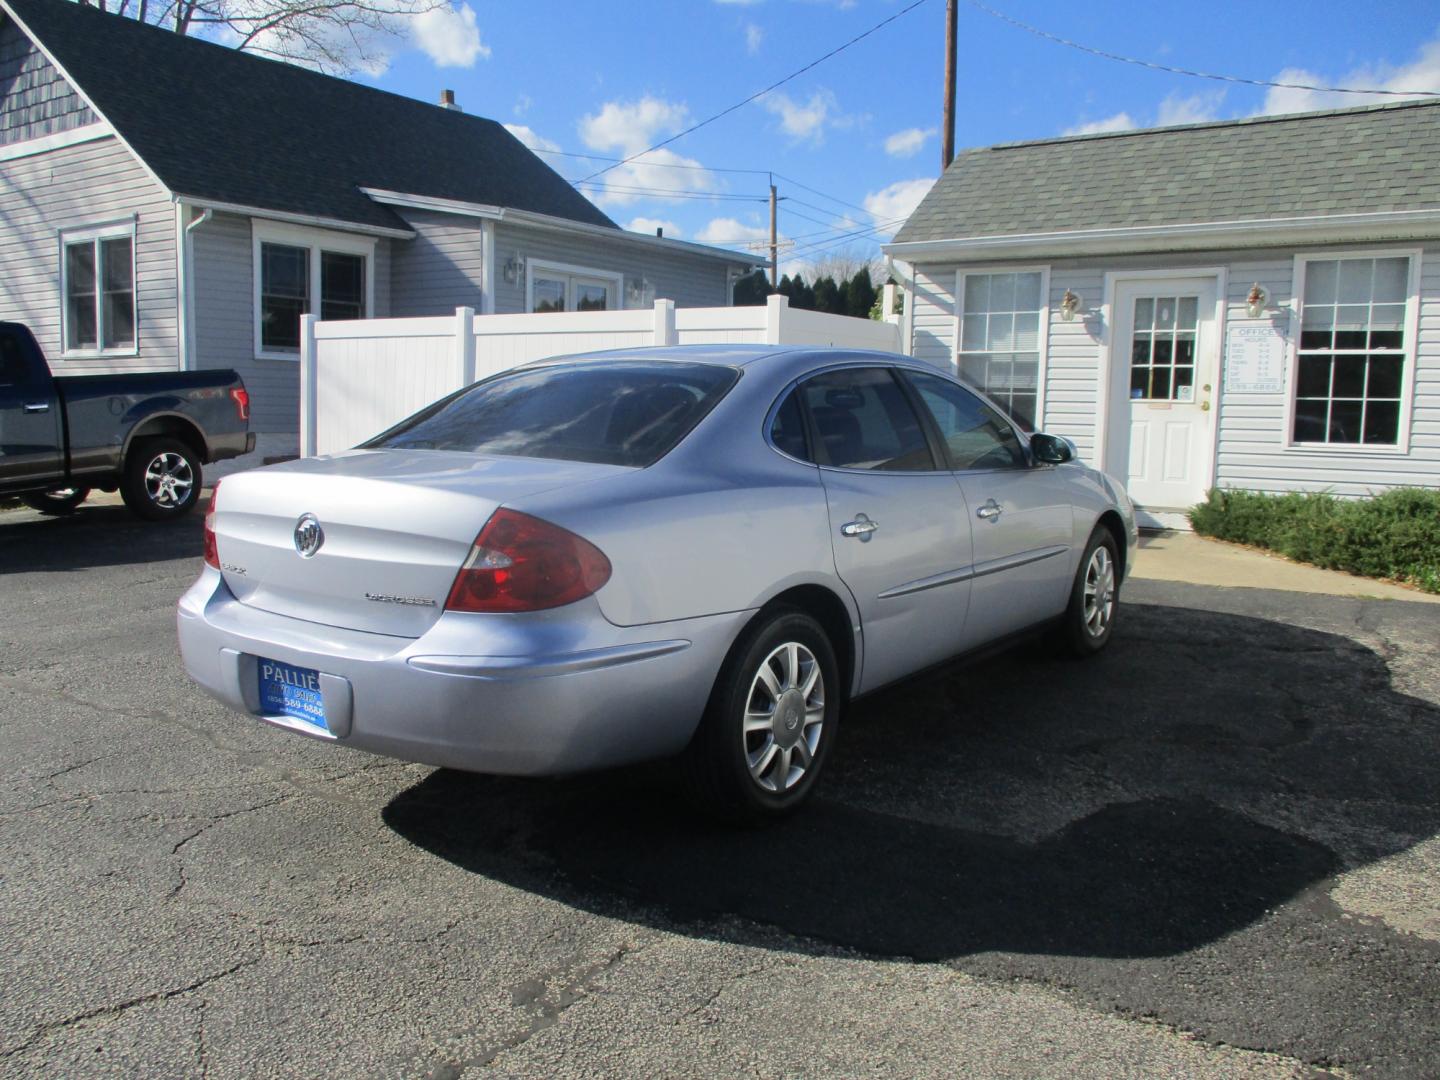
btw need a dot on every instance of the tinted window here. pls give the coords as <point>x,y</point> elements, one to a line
<point>609,413</point>
<point>864,421</point>
<point>975,435</point>
<point>12,362</point>
<point>788,430</point>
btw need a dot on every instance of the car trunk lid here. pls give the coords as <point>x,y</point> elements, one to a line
<point>394,527</point>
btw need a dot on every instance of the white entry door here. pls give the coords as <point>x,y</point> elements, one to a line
<point>1164,372</point>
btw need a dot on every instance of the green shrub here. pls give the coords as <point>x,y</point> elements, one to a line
<point>1394,535</point>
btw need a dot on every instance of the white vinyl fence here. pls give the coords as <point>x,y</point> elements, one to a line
<point>359,377</point>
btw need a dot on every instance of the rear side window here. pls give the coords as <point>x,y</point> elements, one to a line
<point>788,430</point>
<point>975,435</point>
<point>864,421</point>
<point>607,412</point>
<point>12,361</point>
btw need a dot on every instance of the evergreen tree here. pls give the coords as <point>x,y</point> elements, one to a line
<point>752,289</point>
<point>859,294</point>
<point>827,296</point>
<point>801,295</point>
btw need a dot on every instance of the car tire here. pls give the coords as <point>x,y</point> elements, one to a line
<point>161,480</point>
<point>56,503</point>
<point>742,770</point>
<point>1089,620</point>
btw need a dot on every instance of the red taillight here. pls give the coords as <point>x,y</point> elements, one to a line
<point>520,563</point>
<point>212,552</point>
<point>241,397</point>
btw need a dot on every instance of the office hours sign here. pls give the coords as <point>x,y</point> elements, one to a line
<point>1255,360</point>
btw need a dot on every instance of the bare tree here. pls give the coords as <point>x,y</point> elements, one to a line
<point>844,263</point>
<point>335,36</point>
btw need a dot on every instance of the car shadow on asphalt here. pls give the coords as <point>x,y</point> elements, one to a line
<point>99,535</point>
<point>1153,765</point>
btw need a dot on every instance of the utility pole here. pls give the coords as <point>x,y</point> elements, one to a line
<point>774,241</point>
<point>947,126</point>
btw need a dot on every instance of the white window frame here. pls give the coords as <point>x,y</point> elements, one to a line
<point>94,234</point>
<point>1042,343</point>
<point>569,271</point>
<point>316,241</point>
<point>1409,348</point>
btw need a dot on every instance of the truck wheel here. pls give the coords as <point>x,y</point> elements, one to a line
<point>56,503</point>
<point>161,479</point>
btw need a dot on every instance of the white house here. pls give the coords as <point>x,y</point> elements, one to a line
<point>1248,304</point>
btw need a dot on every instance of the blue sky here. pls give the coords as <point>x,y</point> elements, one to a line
<point>860,130</point>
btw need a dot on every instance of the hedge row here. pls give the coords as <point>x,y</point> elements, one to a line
<point>1395,535</point>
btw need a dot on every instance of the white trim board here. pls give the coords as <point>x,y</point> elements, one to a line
<point>57,141</point>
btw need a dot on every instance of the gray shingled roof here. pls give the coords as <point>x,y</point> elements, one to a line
<point>1373,158</point>
<point>221,125</point>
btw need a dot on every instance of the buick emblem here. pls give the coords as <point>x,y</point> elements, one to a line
<point>308,535</point>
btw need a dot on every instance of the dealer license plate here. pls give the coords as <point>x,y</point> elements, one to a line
<point>287,690</point>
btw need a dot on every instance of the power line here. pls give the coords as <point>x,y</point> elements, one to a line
<point>648,164</point>
<point>1185,71</point>
<point>761,93</point>
<point>636,189</point>
<point>823,195</point>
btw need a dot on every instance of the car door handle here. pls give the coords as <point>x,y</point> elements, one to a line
<point>861,527</point>
<point>990,511</point>
<point>37,406</point>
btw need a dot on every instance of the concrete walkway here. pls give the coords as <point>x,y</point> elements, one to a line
<point>1185,557</point>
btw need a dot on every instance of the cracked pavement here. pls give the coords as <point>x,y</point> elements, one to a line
<point>1215,851</point>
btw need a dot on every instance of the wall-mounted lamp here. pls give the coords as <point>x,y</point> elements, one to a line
<point>1255,301</point>
<point>1069,305</point>
<point>513,269</point>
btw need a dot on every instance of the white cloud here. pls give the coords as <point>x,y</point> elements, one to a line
<point>1121,121</point>
<point>531,138</point>
<point>522,104</point>
<point>907,143</point>
<point>449,36</point>
<point>802,121</point>
<point>1421,73</point>
<point>754,35</point>
<point>625,129</point>
<point>1196,109</point>
<point>650,224</point>
<point>731,232</point>
<point>892,204</point>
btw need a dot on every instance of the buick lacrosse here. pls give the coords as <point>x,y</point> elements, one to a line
<point>703,552</point>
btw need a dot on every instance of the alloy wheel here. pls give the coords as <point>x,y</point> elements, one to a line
<point>1099,592</point>
<point>168,479</point>
<point>784,716</point>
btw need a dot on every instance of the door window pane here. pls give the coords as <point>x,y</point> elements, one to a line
<point>975,435</point>
<point>864,421</point>
<point>549,295</point>
<point>1000,340</point>
<point>1162,348</point>
<point>1351,353</point>
<point>591,296</point>
<point>342,286</point>
<point>284,294</point>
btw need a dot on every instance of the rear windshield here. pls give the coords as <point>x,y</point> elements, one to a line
<point>609,413</point>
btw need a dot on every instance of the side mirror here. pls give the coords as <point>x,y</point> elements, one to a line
<point>1051,449</point>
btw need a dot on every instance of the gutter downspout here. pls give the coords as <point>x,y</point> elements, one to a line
<point>904,273</point>
<point>183,230</point>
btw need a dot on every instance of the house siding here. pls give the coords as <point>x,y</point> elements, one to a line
<point>439,270</point>
<point>1250,441</point>
<point>73,187</point>
<point>689,280</point>
<point>224,305</point>
<point>35,99</point>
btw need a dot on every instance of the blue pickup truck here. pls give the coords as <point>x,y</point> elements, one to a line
<point>146,434</point>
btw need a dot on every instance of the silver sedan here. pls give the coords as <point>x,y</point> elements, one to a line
<point>702,552</point>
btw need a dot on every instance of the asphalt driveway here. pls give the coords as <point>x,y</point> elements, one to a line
<point>1213,851</point>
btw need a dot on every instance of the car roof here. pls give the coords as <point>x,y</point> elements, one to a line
<point>777,358</point>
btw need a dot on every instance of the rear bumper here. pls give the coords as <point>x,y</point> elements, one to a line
<point>494,694</point>
<point>224,447</point>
